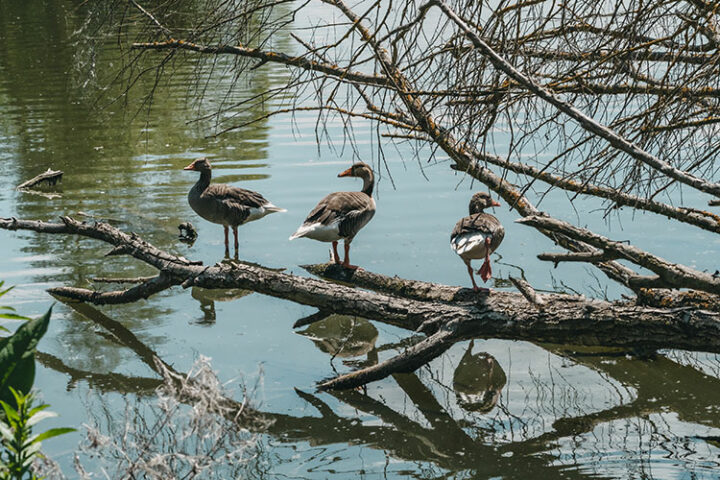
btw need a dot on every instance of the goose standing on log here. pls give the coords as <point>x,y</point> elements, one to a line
<point>477,236</point>
<point>341,215</point>
<point>224,204</point>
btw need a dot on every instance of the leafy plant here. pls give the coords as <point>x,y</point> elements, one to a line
<point>8,312</point>
<point>17,355</point>
<point>17,374</point>
<point>16,430</point>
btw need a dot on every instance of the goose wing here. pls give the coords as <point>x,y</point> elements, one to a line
<point>337,206</point>
<point>471,231</point>
<point>339,215</point>
<point>232,204</point>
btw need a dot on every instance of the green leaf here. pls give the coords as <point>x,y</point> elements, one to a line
<point>40,416</point>
<point>53,432</point>
<point>13,316</point>
<point>20,398</point>
<point>10,413</point>
<point>37,409</point>
<point>17,364</point>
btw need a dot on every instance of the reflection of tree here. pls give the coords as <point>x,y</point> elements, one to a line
<point>443,442</point>
<point>660,384</point>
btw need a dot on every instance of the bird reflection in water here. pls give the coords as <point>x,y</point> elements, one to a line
<point>208,297</point>
<point>478,381</point>
<point>343,336</point>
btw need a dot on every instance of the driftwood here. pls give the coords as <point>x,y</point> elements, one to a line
<point>50,177</point>
<point>446,314</point>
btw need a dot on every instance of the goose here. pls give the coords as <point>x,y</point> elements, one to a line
<point>224,204</point>
<point>477,236</point>
<point>341,215</point>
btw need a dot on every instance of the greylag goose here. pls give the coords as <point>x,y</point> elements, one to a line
<point>229,206</point>
<point>477,236</point>
<point>341,215</point>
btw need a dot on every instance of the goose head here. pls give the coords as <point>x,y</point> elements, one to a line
<point>361,170</point>
<point>480,201</point>
<point>199,165</point>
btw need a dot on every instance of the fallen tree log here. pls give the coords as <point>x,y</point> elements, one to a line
<point>49,177</point>
<point>447,314</point>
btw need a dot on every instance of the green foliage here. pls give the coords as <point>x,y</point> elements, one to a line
<point>19,442</point>
<point>17,356</point>
<point>19,414</point>
<point>8,312</point>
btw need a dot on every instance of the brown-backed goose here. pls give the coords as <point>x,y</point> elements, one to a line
<point>478,235</point>
<point>229,206</point>
<point>341,214</point>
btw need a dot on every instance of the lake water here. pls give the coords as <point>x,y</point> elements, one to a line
<point>490,409</point>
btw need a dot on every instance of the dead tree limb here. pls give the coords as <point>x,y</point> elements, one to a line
<point>672,274</point>
<point>565,319</point>
<point>267,56</point>
<point>590,257</point>
<point>408,361</point>
<point>50,177</point>
<point>401,287</point>
<point>528,292</point>
<point>122,279</point>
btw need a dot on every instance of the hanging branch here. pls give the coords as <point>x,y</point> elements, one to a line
<point>586,122</point>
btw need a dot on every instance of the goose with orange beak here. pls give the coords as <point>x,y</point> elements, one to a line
<point>477,236</point>
<point>341,215</point>
<point>224,204</point>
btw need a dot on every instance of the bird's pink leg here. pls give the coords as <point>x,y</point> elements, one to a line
<point>227,243</point>
<point>336,256</point>
<point>486,271</point>
<point>472,277</point>
<point>346,262</point>
<point>235,234</point>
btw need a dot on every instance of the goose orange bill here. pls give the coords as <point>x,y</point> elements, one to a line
<point>346,173</point>
<point>494,203</point>
<point>190,167</point>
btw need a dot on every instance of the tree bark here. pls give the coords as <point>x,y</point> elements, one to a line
<point>448,314</point>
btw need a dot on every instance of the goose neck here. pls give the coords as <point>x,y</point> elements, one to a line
<point>204,180</point>
<point>368,185</point>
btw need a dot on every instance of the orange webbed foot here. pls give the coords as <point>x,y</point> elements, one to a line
<point>485,271</point>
